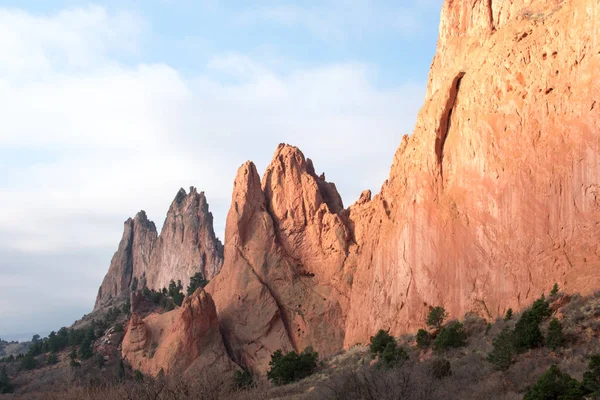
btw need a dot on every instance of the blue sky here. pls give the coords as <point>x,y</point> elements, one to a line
<point>110,107</point>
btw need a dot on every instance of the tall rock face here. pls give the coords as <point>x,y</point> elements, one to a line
<point>187,245</point>
<point>183,339</point>
<point>130,260</point>
<point>494,198</point>
<point>286,279</point>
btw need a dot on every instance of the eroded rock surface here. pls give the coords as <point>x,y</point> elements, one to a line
<point>187,244</point>
<point>187,337</point>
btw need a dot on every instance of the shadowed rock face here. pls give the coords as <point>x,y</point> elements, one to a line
<point>130,260</point>
<point>179,340</point>
<point>187,245</point>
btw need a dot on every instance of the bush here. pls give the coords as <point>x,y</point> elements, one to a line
<point>555,384</point>
<point>555,337</point>
<point>424,339</point>
<point>509,314</point>
<point>5,384</point>
<point>175,292</point>
<point>380,341</point>
<point>436,317</point>
<point>527,334</point>
<point>441,368</point>
<point>196,281</point>
<point>503,352</point>
<point>392,356</point>
<point>118,328</point>
<point>52,359</point>
<point>138,376</point>
<point>243,379</point>
<point>453,335</point>
<point>591,378</point>
<point>554,290</point>
<point>292,366</point>
<point>28,362</point>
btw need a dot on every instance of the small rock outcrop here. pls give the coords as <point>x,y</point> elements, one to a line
<point>185,338</point>
<point>187,244</point>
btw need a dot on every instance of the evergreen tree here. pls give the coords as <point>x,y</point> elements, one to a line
<point>380,341</point>
<point>555,337</point>
<point>196,281</point>
<point>591,378</point>
<point>5,384</point>
<point>436,317</point>
<point>509,314</point>
<point>453,335</point>
<point>503,352</point>
<point>423,339</point>
<point>292,366</point>
<point>28,362</point>
<point>555,384</point>
<point>554,290</point>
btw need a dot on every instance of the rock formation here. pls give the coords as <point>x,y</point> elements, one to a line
<point>494,197</point>
<point>492,200</point>
<point>187,244</point>
<point>185,338</point>
<point>130,260</point>
<point>285,281</point>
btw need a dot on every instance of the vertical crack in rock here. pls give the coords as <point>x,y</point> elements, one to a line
<point>445,122</point>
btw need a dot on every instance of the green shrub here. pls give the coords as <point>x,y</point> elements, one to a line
<point>196,281</point>
<point>509,314</point>
<point>5,383</point>
<point>488,328</point>
<point>28,362</point>
<point>118,328</point>
<point>292,366</point>
<point>392,356</point>
<point>52,359</point>
<point>453,335</point>
<point>424,339</point>
<point>380,341</point>
<point>243,379</point>
<point>441,368</point>
<point>174,292</point>
<point>554,384</point>
<point>138,376</point>
<point>527,334</point>
<point>436,317</point>
<point>554,290</point>
<point>555,337</point>
<point>591,378</point>
<point>503,352</point>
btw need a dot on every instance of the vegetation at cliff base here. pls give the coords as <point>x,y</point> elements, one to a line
<point>291,367</point>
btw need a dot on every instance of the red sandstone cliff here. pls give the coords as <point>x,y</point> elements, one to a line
<point>187,244</point>
<point>492,200</point>
<point>495,195</point>
<point>184,339</point>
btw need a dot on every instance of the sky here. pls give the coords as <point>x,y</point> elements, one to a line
<point>110,107</point>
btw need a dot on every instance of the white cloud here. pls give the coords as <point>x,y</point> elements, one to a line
<point>121,137</point>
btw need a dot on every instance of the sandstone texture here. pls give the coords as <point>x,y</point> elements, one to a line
<point>174,342</point>
<point>285,281</point>
<point>187,244</point>
<point>494,197</point>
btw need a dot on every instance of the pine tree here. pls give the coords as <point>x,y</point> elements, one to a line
<point>555,337</point>
<point>5,384</point>
<point>503,353</point>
